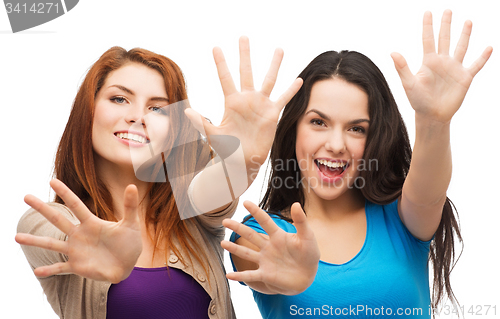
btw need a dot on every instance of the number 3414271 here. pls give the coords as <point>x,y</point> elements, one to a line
<point>41,7</point>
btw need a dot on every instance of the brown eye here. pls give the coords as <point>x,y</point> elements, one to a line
<point>317,122</point>
<point>358,129</point>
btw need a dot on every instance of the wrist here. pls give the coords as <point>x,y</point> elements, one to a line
<point>430,132</point>
<point>431,125</point>
<point>428,120</point>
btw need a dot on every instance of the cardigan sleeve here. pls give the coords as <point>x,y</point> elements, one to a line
<point>34,223</point>
<point>70,296</point>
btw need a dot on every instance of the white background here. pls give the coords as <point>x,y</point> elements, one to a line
<point>41,69</point>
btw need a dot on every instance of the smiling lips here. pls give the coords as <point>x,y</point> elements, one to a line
<point>132,137</point>
<point>331,170</point>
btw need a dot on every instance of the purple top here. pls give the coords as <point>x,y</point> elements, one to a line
<point>157,293</point>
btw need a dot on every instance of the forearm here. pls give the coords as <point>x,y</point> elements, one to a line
<point>224,179</point>
<point>431,163</point>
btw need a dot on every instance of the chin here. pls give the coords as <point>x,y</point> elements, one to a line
<point>328,194</point>
<point>333,191</point>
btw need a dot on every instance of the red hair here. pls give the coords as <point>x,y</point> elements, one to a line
<point>75,166</point>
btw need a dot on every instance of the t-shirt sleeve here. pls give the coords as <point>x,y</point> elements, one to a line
<point>253,224</point>
<point>393,213</point>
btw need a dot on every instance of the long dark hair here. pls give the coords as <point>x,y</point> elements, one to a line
<point>387,143</point>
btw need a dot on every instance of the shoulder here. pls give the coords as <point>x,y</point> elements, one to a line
<point>276,217</point>
<point>388,217</point>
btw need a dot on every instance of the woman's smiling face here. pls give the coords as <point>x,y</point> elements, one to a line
<point>331,137</point>
<point>130,119</point>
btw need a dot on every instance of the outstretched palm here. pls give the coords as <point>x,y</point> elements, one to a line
<point>96,249</point>
<point>249,115</point>
<point>438,89</point>
<point>287,263</point>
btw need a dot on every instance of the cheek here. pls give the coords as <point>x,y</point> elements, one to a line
<point>158,130</point>
<point>359,149</point>
<point>305,143</point>
<point>357,152</point>
<point>98,124</point>
<point>105,123</point>
<point>103,118</point>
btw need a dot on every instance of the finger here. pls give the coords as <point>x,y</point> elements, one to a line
<point>200,123</point>
<point>444,33</point>
<point>245,232</point>
<point>289,93</point>
<point>403,70</point>
<point>130,205</point>
<point>71,201</point>
<point>52,215</point>
<point>463,42</point>
<point>246,77</point>
<point>54,269</point>
<point>43,242</point>
<point>428,34</point>
<point>225,78</point>
<point>300,222</point>
<point>262,218</point>
<point>481,61</point>
<point>272,74</point>
<point>245,276</point>
<point>241,251</point>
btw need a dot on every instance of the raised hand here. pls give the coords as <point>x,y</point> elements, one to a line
<point>249,115</point>
<point>96,249</point>
<point>287,263</point>
<point>437,90</point>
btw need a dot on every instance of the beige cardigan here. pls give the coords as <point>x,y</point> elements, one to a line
<point>75,297</point>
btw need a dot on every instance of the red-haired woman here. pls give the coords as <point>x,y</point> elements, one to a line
<point>116,243</point>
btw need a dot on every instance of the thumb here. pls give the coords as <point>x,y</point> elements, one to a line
<point>304,232</point>
<point>200,123</point>
<point>403,70</point>
<point>131,207</point>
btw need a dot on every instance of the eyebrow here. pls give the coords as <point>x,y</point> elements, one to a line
<point>129,91</point>
<point>326,117</point>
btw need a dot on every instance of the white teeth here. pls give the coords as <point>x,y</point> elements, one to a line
<point>332,164</point>
<point>132,137</point>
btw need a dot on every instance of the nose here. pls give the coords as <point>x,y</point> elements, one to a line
<point>135,115</point>
<point>336,143</point>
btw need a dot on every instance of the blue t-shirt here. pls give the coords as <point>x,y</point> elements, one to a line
<point>389,276</point>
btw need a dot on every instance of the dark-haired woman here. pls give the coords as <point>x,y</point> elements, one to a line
<point>117,242</point>
<point>374,212</point>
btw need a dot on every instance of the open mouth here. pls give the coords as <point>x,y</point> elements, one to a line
<point>331,169</point>
<point>132,137</point>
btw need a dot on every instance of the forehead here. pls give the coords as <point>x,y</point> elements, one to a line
<point>338,98</point>
<point>138,78</point>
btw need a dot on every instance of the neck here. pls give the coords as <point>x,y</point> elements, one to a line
<point>338,208</point>
<point>117,178</point>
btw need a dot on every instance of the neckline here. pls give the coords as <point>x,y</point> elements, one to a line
<point>363,248</point>
<point>150,269</point>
